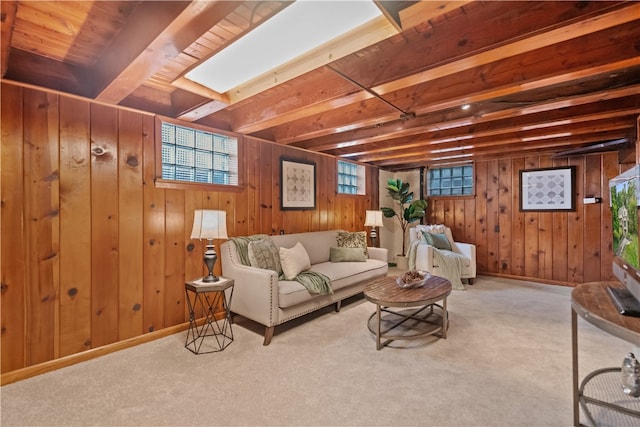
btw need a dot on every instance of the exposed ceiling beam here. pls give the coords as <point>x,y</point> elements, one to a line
<point>565,108</point>
<point>352,41</point>
<point>423,11</point>
<point>472,86</point>
<point>462,136</point>
<point>270,117</point>
<point>186,23</point>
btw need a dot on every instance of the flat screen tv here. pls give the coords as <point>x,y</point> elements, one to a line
<point>624,196</point>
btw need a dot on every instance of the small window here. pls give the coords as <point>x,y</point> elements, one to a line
<point>198,156</point>
<point>351,178</point>
<point>450,181</point>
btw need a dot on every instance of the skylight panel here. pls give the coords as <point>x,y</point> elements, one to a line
<point>299,28</point>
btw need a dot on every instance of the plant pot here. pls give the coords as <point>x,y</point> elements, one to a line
<point>402,262</point>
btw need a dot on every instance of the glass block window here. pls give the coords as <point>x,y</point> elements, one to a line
<point>450,181</point>
<point>194,155</point>
<point>351,178</point>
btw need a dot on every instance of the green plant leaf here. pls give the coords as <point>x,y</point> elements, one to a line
<point>388,212</point>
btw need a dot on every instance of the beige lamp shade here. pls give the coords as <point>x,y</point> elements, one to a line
<point>208,224</point>
<point>373,219</point>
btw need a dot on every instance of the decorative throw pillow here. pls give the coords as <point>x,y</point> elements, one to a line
<point>357,239</point>
<point>432,228</point>
<point>347,254</point>
<point>294,261</point>
<point>437,240</point>
<point>264,254</point>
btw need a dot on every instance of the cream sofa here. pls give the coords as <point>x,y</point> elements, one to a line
<point>424,255</point>
<point>259,295</point>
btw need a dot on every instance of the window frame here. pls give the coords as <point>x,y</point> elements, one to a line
<point>450,167</point>
<point>189,185</point>
<point>359,168</point>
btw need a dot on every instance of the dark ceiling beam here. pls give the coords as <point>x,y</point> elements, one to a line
<point>38,70</point>
<point>169,28</point>
<point>8,11</point>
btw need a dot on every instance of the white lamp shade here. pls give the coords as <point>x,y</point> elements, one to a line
<point>209,225</point>
<point>373,219</point>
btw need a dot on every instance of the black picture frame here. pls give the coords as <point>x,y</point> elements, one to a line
<point>297,184</point>
<point>548,189</point>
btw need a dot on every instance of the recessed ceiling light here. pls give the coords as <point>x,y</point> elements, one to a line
<point>299,28</point>
<point>466,106</point>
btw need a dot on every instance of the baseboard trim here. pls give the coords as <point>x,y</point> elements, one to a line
<point>529,279</point>
<point>72,359</point>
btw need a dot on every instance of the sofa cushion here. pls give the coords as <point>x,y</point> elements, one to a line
<point>437,240</point>
<point>294,260</point>
<point>264,253</point>
<point>357,239</point>
<point>316,243</point>
<point>347,254</point>
<point>345,274</point>
<point>342,275</point>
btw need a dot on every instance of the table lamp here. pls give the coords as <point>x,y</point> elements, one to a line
<point>209,225</point>
<point>373,219</point>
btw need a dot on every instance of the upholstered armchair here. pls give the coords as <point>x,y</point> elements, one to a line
<point>424,250</point>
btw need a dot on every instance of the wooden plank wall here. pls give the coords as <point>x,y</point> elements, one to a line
<point>554,247</point>
<point>92,252</point>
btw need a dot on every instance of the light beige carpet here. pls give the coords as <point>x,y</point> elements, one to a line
<point>506,362</point>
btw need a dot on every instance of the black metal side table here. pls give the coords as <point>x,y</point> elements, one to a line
<point>205,298</point>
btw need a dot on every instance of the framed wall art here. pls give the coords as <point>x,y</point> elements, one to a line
<point>297,184</point>
<point>548,189</point>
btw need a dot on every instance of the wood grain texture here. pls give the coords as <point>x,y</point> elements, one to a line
<point>104,225</point>
<point>13,274</point>
<point>555,247</point>
<point>104,258</point>
<point>75,226</point>
<point>130,224</point>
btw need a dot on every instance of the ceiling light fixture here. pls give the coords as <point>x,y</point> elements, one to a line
<point>299,28</point>
<point>466,106</point>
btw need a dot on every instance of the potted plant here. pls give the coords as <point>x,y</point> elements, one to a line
<point>409,210</point>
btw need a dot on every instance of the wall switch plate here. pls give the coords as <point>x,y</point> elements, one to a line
<point>591,200</point>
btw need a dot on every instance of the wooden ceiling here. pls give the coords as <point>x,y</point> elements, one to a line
<point>538,76</point>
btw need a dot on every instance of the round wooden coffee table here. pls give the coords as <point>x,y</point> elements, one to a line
<point>423,316</point>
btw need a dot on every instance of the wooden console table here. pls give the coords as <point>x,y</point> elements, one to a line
<point>602,388</point>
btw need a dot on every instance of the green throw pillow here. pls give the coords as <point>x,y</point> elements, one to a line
<point>437,240</point>
<point>357,239</point>
<point>264,254</point>
<point>347,254</point>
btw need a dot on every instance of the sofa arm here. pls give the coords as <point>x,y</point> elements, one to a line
<point>424,257</point>
<point>469,251</point>
<point>378,253</point>
<point>255,290</point>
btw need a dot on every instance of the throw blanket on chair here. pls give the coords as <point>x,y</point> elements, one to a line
<point>450,263</point>
<point>316,283</point>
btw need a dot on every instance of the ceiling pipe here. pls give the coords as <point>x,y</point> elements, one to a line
<point>404,115</point>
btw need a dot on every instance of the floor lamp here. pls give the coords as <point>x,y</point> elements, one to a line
<point>209,225</point>
<point>373,219</point>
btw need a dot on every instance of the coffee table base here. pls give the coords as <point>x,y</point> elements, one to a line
<point>390,325</point>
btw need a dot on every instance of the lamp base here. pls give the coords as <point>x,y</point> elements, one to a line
<point>210,258</point>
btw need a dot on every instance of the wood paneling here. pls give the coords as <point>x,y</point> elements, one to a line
<point>555,247</point>
<point>13,273</point>
<point>75,226</point>
<point>41,221</point>
<point>92,251</point>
